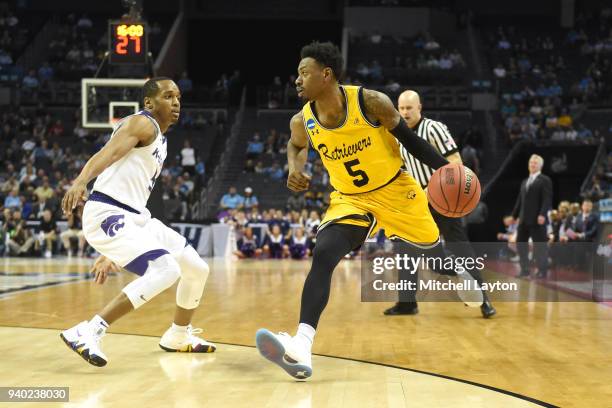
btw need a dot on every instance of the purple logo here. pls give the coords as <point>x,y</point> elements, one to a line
<point>112,225</point>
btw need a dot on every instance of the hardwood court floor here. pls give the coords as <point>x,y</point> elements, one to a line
<point>553,352</point>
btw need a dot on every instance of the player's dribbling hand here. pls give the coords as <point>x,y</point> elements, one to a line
<point>101,269</point>
<point>75,194</point>
<point>298,181</point>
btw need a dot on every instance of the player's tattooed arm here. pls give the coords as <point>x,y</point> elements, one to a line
<point>133,131</point>
<point>297,154</point>
<point>379,107</point>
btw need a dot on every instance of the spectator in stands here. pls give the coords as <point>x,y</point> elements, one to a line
<point>554,227</point>
<point>431,44</point>
<point>259,168</point>
<point>57,129</point>
<point>188,158</point>
<point>249,166</point>
<point>291,98</point>
<point>363,71</point>
<point>295,201</point>
<point>499,71</point>
<point>12,201</point>
<point>584,133</point>
<point>275,93</point>
<point>457,59</point>
<point>376,74</point>
<point>232,200</point>
<point>509,236</point>
<point>10,184</point>
<point>84,22</point>
<point>587,223</point>
<point>278,218</point>
<point>275,172</point>
<point>74,231</point>
<point>247,245</point>
<point>275,246</point>
<point>376,37</point>
<point>46,73</point>
<point>299,245</point>
<point>186,185</point>
<point>255,147</point>
<point>5,58</point>
<point>44,191</point>
<point>469,155</point>
<point>21,239</point>
<point>38,207</point>
<point>392,86</point>
<point>250,200</point>
<point>185,84</point>
<point>48,232</point>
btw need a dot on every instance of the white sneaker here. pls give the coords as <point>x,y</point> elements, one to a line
<point>83,341</point>
<point>47,254</point>
<point>283,350</point>
<point>185,341</point>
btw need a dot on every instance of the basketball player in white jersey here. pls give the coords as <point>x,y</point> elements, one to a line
<point>118,225</point>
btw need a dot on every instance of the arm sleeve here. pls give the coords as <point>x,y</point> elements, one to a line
<point>418,147</point>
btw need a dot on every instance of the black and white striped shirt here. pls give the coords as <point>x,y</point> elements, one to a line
<point>437,134</point>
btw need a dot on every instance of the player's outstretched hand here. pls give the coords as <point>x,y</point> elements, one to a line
<point>101,269</point>
<point>75,194</point>
<point>298,181</point>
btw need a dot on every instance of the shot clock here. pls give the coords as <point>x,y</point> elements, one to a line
<point>127,42</point>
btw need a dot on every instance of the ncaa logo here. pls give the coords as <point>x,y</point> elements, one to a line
<point>310,124</point>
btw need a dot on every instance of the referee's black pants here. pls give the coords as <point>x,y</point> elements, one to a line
<point>456,242</point>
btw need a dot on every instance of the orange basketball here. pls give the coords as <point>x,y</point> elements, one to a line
<point>453,190</point>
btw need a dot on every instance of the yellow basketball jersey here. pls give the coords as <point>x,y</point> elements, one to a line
<point>358,155</point>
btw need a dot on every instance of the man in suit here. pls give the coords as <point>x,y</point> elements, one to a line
<point>586,228</point>
<point>587,223</point>
<point>531,208</point>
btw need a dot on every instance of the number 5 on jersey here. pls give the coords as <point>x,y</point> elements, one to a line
<point>362,179</point>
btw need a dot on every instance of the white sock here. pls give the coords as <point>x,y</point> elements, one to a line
<point>177,328</point>
<point>98,325</point>
<point>305,335</point>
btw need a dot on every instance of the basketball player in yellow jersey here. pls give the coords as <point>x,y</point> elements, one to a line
<point>355,131</point>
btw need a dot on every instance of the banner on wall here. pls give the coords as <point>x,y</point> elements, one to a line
<point>208,240</point>
<point>198,236</point>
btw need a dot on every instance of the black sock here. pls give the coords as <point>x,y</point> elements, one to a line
<point>333,242</point>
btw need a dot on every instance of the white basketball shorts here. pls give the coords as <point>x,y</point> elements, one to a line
<point>126,236</point>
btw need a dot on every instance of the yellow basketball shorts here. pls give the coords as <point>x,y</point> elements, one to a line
<point>400,208</point>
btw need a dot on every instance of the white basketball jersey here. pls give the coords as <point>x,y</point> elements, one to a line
<point>130,180</point>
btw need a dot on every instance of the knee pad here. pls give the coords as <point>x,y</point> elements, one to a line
<point>194,273</point>
<point>160,275</point>
<point>193,267</point>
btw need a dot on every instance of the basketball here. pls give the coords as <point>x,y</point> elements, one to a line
<point>454,190</point>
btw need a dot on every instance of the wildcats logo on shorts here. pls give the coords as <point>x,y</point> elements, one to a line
<point>113,224</point>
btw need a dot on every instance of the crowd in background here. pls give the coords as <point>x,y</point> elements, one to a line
<point>267,156</point>
<point>39,159</point>
<point>547,81</point>
<point>568,224</point>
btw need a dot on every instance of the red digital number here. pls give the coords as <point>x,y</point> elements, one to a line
<point>137,45</point>
<point>121,45</point>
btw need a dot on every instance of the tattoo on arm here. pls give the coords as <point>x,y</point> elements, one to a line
<point>380,107</point>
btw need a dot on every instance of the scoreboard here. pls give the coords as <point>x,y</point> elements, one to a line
<point>127,42</point>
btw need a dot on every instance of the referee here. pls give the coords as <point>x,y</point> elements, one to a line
<point>436,133</point>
